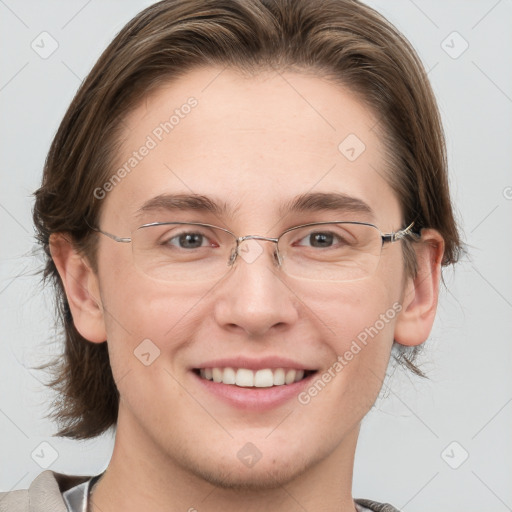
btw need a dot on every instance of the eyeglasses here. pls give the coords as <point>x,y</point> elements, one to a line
<point>324,251</point>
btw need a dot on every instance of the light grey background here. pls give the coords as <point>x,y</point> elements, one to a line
<point>405,449</point>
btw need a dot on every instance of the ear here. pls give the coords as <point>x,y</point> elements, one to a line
<point>81,286</point>
<point>419,303</point>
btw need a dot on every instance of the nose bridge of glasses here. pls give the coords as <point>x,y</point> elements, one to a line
<point>241,239</point>
<point>251,251</point>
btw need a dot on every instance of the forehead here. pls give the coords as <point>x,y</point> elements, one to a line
<point>251,143</point>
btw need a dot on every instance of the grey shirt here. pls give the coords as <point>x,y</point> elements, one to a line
<point>77,498</point>
<point>56,492</point>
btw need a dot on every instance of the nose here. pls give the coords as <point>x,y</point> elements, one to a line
<point>254,297</point>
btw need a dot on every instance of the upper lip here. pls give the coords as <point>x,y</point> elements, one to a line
<point>254,364</point>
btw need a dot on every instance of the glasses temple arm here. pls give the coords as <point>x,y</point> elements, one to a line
<point>110,235</point>
<point>393,237</point>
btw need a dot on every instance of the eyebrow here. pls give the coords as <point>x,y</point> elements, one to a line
<point>326,201</point>
<point>309,202</point>
<point>183,202</point>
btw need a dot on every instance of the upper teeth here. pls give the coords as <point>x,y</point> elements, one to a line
<point>248,378</point>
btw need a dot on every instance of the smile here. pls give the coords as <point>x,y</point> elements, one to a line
<point>247,378</point>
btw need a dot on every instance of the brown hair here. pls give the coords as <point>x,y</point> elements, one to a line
<point>343,40</point>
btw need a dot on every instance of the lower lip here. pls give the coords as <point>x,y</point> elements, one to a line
<point>255,399</point>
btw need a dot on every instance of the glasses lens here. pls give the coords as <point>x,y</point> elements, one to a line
<point>182,252</point>
<point>331,252</point>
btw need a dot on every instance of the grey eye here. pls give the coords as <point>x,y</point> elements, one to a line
<point>191,240</point>
<point>188,240</point>
<point>321,239</point>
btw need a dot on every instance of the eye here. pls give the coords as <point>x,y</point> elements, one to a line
<point>189,240</point>
<point>321,239</point>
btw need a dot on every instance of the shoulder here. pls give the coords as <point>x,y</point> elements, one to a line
<point>373,506</point>
<point>44,494</point>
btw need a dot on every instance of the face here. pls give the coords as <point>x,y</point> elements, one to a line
<point>252,145</point>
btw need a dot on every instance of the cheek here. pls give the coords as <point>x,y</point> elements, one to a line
<point>359,338</point>
<point>143,316</point>
<point>357,321</point>
<point>358,311</point>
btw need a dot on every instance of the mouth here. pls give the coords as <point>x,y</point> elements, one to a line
<point>250,384</point>
<point>248,378</point>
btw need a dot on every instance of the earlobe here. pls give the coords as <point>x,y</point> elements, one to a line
<point>421,292</point>
<point>81,287</point>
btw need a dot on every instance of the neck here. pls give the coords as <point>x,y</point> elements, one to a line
<point>140,477</point>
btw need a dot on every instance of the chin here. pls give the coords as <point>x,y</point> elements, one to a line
<point>250,479</point>
<point>272,473</point>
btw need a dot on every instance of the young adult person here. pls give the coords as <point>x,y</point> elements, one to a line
<point>244,209</point>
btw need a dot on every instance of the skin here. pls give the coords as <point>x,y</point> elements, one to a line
<point>253,143</point>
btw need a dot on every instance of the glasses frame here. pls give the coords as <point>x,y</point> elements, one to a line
<point>392,237</point>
